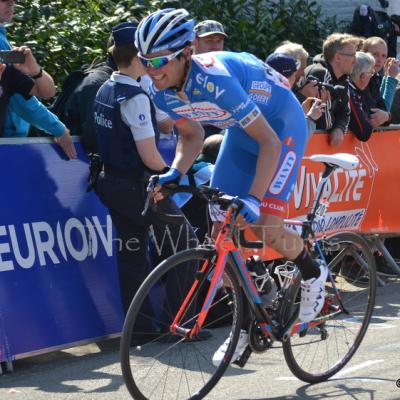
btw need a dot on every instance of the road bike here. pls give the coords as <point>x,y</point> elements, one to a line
<point>194,300</point>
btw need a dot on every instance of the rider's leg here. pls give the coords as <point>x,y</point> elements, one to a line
<point>272,231</point>
<point>314,272</point>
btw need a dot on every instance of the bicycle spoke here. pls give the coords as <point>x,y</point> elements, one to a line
<point>320,352</point>
<point>169,366</point>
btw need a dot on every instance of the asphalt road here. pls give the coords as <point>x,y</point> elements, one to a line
<point>86,372</point>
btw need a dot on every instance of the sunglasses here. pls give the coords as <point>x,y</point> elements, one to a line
<point>158,62</point>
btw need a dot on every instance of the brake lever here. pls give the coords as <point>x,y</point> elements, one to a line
<point>150,190</point>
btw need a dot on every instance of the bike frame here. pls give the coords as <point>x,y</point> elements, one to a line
<point>226,246</point>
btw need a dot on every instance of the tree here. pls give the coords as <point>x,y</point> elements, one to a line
<point>65,34</point>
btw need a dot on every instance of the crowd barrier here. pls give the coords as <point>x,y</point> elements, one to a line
<point>58,280</point>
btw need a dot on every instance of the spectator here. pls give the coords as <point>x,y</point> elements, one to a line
<point>18,80</point>
<point>22,112</point>
<point>383,84</point>
<point>127,134</point>
<point>297,51</point>
<point>308,89</point>
<point>362,72</point>
<point>210,36</point>
<point>285,64</point>
<point>210,150</point>
<point>76,110</point>
<point>334,67</point>
<point>395,110</point>
<point>288,66</point>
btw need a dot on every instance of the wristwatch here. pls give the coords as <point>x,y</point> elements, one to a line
<point>38,75</point>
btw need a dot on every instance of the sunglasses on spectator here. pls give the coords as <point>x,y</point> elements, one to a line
<point>158,62</point>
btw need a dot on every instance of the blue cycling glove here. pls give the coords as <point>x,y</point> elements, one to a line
<point>171,176</point>
<point>250,209</point>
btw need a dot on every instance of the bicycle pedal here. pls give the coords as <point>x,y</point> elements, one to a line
<point>242,360</point>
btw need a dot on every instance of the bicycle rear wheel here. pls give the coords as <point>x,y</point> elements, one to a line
<point>157,364</point>
<point>318,353</point>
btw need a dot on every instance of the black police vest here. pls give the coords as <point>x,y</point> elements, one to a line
<point>116,145</point>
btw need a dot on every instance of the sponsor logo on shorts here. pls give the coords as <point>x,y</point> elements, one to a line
<point>273,206</point>
<point>283,173</point>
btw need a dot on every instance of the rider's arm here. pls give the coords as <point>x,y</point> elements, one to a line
<point>268,156</point>
<point>190,143</point>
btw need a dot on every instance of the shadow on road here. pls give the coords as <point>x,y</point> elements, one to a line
<point>63,368</point>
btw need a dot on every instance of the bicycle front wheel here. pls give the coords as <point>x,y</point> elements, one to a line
<point>318,353</point>
<point>158,364</point>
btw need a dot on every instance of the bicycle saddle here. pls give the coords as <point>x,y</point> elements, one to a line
<point>342,160</point>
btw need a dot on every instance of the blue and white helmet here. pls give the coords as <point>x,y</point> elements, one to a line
<point>168,29</point>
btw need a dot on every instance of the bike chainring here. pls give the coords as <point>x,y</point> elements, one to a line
<point>258,342</point>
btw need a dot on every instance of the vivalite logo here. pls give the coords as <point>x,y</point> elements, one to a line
<point>283,173</point>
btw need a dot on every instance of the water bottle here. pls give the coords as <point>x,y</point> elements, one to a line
<point>264,282</point>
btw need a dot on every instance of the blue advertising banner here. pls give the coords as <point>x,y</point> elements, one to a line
<point>58,277</point>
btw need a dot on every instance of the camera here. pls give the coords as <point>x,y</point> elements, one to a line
<point>337,92</point>
<point>11,57</point>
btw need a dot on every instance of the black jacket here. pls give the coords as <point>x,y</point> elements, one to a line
<point>359,117</point>
<point>373,94</point>
<point>337,114</point>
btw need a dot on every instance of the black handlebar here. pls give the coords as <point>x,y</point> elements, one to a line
<point>204,192</point>
<point>251,245</point>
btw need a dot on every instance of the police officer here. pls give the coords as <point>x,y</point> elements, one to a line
<point>127,140</point>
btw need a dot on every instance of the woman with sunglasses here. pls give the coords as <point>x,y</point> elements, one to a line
<point>265,140</point>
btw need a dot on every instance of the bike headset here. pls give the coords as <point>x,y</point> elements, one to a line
<point>168,29</point>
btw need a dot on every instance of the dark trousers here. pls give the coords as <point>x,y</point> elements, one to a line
<point>125,200</point>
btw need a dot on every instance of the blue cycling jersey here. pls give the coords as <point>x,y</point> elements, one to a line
<point>224,89</point>
<point>230,90</point>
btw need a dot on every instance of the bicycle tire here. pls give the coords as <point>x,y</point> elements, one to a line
<point>145,367</point>
<point>307,354</point>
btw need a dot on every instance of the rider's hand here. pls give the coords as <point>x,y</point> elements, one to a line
<point>170,176</point>
<point>250,209</point>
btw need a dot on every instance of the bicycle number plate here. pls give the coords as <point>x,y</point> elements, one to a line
<point>322,208</point>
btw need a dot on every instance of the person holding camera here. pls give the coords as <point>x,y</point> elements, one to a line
<point>22,112</point>
<point>331,70</point>
<point>288,66</point>
<point>17,79</point>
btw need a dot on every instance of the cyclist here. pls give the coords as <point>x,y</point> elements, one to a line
<point>263,146</point>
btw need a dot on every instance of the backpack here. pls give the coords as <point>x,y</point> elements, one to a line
<point>73,105</point>
<point>70,83</point>
<point>375,23</point>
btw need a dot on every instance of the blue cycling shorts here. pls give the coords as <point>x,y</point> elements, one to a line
<point>236,163</point>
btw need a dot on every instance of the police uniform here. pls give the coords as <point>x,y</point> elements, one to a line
<point>124,114</point>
